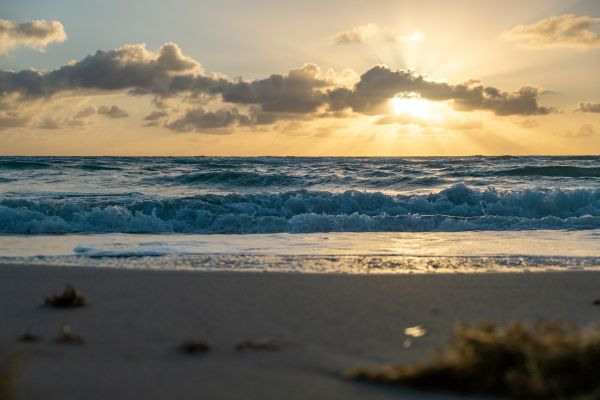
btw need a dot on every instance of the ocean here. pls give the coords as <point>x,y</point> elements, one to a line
<point>332,214</point>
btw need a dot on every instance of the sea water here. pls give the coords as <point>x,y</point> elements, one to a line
<point>302,214</point>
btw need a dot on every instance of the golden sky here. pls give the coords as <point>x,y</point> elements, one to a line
<point>281,78</point>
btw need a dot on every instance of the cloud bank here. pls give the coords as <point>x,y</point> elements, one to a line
<point>128,67</point>
<point>35,34</point>
<point>168,76</point>
<point>588,107</point>
<point>376,86</point>
<point>565,31</point>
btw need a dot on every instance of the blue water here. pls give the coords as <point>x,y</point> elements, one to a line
<point>100,196</point>
<point>297,195</point>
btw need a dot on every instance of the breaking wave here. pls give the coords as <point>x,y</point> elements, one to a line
<point>457,208</point>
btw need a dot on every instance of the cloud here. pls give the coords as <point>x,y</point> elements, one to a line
<point>86,112</point>
<point>35,34</point>
<point>565,31</point>
<point>588,107</point>
<point>12,121</point>
<point>296,92</point>
<point>131,67</point>
<point>153,119</point>
<point>379,84</point>
<point>177,82</point>
<point>199,119</point>
<point>60,123</point>
<point>585,130</point>
<point>372,32</point>
<point>529,124</point>
<point>362,34</point>
<point>155,115</point>
<point>112,112</point>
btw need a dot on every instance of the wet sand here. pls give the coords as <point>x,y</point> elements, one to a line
<point>319,324</point>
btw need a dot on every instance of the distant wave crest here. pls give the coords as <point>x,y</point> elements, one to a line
<point>458,208</point>
<point>22,164</point>
<point>233,178</point>
<point>554,170</point>
<point>274,179</point>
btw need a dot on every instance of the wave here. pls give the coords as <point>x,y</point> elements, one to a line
<point>458,208</point>
<point>98,167</point>
<point>22,164</point>
<point>554,170</point>
<point>235,178</point>
<point>142,251</point>
<point>26,164</point>
<point>246,179</point>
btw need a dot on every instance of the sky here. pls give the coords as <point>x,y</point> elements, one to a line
<point>326,78</point>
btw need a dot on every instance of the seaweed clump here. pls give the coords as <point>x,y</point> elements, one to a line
<point>28,337</point>
<point>194,347</point>
<point>262,344</point>
<point>69,298</point>
<point>549,360</point>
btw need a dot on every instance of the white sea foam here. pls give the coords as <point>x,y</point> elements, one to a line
<point>316,252</point>
<point>458,208</point>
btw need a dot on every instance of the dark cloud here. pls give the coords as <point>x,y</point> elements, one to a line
<point>86,112</point>
<point>112,112</point>
<point>36,34</point>
<point>106,111</point>
<point>560,31</point>
<point>372,93</point>
<point>200,119</point>
<point>155,115</point>
<point>131,67</point>
<point>60,123</point>
<point>588,107</point>
<point>169,76</point>
<point>12,121</point>
<point>49,123</point>
<point>295,92</point>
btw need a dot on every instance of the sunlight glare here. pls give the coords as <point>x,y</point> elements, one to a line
<point>414,106</point>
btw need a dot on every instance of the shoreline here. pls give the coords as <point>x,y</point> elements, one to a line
<point>323,324</point>
<point>312,272</point>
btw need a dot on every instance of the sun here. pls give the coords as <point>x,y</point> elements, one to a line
<point>414,106</point>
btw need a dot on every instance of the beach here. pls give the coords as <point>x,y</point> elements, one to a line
<point>308,328</point>
<point>287,200</point>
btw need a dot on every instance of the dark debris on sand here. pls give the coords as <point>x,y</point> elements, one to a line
<point>69,298</point>
<point>28,337</point>
<point>262,344</point>
<point>194,347</point>
<point>66,336</point>
<point>549,360</point>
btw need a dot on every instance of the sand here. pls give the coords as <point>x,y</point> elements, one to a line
<point>322,324</point>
